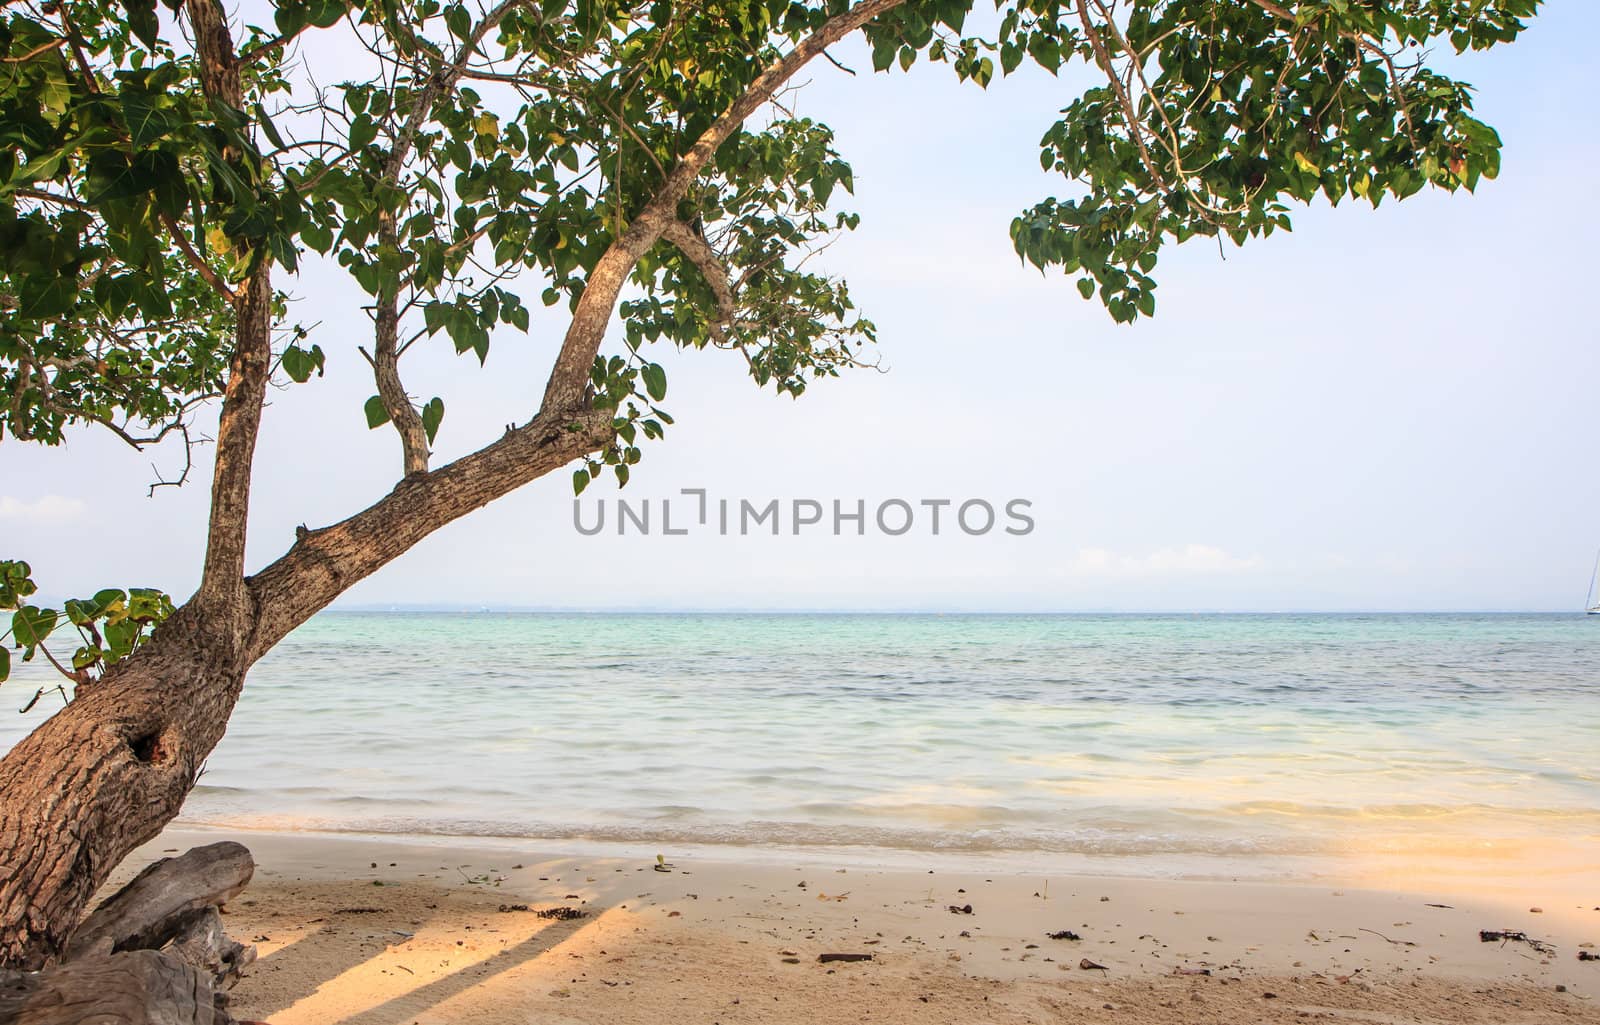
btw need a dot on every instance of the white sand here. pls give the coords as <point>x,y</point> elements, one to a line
<point>422,938</point>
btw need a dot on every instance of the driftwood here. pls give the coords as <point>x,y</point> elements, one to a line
<point>204,946</point>
<point>163,901</point>
<point>138,987</point>
<point>154,953</point>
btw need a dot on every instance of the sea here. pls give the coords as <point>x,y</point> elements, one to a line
<point>1179,744</point>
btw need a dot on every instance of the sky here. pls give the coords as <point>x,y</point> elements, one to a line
<point>1384,410</point>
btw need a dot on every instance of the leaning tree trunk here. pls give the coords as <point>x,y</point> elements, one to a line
<point>106,773</point>
<point>109,771</point>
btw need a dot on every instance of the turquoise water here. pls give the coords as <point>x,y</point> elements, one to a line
<point>1238,736</point>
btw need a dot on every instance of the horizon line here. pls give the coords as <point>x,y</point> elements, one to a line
<point>474,608</point>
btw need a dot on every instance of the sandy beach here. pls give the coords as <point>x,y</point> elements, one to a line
<point>436,931</point>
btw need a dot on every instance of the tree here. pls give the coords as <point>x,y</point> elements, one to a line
<point>165,172</point>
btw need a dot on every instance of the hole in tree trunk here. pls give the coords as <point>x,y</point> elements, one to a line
<point>148,747</point>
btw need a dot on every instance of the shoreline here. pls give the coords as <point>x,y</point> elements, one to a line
<point>1530,868</point>
<point>390,930</point>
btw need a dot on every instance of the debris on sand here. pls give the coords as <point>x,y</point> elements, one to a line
<point>961,909</point>
<point>561,914</point>
<point>1381,936</point>
<point>1514,936</point>
<point>830,958</point>
<point>1063,934</point>
<point>1089,966</point>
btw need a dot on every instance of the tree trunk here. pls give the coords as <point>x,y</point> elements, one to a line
<point>106,773</point>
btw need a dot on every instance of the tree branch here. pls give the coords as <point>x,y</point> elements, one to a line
<point>385,350</point>
<point>322,564</point>
<point>213,44</point>
<point>196,261</point>
<point>698,251</point>
<point>253,54</point>
<point>50,197</point>
<point>36,51</point>
<point>570,374</point>
<point>1279,11</point>
<point>386,368</point>
<point>222,580</point>
<point>438,83</point>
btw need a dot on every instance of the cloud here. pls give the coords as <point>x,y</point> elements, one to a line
<point>44,509</point>
<point>1191,558</point>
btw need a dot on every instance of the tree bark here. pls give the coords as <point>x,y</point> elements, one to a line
<point>140,987</point>
<point>106,773</point>
<point>386,366</point>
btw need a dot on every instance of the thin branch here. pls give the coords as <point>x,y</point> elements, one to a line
<point>386,369</point>
<point>1278,11</point>
<point>188,465</point>
<point>1129,112</point>
<point>438,83</point>
<point>255,52</point>
<point>50,197</point>
<point>835,63</point>
<point>211,277</point>
<point>698,251</point>
<point>77,50</point>
<point>36,51</point>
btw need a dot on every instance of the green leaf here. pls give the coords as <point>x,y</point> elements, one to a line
<point>30,625</point>
<point>324,13</point>
<point>655,380</point>
<point>5,664</point>
<point>299,364</point>
<point>377,413</point>
<point>143,21</point>
<point>580,480</point>
<point>267,126</point>
<point>363,130</point>
<point>1086,287</point>
<point>147,121</point>
<point>290,17</point>
<point>115,176</point>
<point>432,415</point>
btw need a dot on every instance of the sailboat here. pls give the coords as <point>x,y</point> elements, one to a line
<point>1591,602</point>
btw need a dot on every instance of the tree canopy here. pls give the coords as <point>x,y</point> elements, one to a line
<point>164,168</point>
